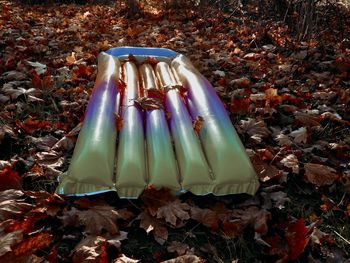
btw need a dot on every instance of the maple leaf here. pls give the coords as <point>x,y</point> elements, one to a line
<point>174,212</point>
<point>149,223</point>
<point>97,218</point>
<point>11,206</point>
<point>124,259</point>
<point>155,198</point>
<point>178,248</point>
<point>207,217</point>
<point>9,179</point>
<point>253,127</point>
<point>297,238</point>
<point>300,135</point>
<point>91,249</point>
<point>291,161</point>
<point>319,174</point>
<point>283,140</point>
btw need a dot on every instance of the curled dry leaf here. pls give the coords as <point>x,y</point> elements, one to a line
<point>319,174</point>
<point>174,212</point>
<point>291,161</point>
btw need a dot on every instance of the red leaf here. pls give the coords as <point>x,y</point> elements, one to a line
<point>10,179</point>
<point>297,238</point>
<point>32,244</point>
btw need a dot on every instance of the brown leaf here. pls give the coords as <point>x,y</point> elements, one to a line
<point>32,244</point>
<point>319,174</point>
<point>307,119</point>
<point>291,161</point>
<point>149,223</point>
<point>11,206</point>
<point>149,103</point>
<point>185,259</point>
<point>198,124</point>
<point>98,218</point>
<point>178,248</point>
<point>124,259</point>
<point>8,240</point>
<point>253,127</point>
<point>91,249</point>
<point>119,122</point>
<point>300,135</point>
<point>207,217</point>
<point>174,212</point>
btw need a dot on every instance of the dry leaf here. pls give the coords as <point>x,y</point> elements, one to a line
<point>307,119</point>
<point>11,206</point>
<point>178,248</point>
<point>253,127</point>
<point>319,174</point>
<point>185,259</point>
<point>300,135</point>
<point>149,223</point>
<point>291,161</point>
<point>124,259</point>
<point>8,240</point>
<point>91,249</point>
<point>174,212</point>
<point>283,140</point>
<point>99,217</point>
<point>198,124</point>
<point>207,217</point>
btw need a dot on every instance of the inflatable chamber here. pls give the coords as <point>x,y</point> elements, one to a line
<point>154,121</point>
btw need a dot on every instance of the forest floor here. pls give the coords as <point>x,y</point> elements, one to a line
<point>288,100</point>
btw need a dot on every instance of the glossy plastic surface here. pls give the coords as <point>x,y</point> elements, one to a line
<point>212,161</point>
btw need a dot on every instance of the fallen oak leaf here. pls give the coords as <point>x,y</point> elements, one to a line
<point>319,174</point>
<point>174,212</point>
